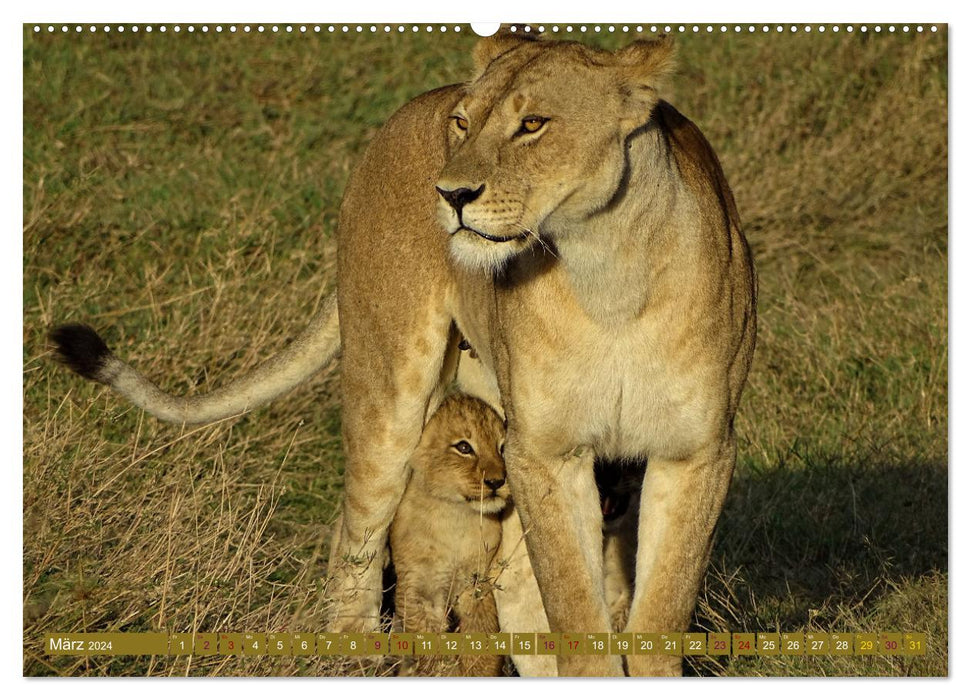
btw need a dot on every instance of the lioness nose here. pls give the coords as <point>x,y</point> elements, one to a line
<point>494,484</point>
<point>458,198</point>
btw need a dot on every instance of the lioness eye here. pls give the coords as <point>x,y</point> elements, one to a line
<point>532,124</point>
<point>461,123</point>
<point>463,448</point>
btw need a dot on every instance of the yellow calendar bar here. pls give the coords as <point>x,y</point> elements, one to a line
<point>256,644</point>
<point>107,644</point>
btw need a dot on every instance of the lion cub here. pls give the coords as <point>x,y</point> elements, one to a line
<point>447,528</point>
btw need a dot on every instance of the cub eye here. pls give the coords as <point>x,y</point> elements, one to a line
<point>531,125</point>
<point>502,450</point>
<point>463,448</point>
<point>461,123</point>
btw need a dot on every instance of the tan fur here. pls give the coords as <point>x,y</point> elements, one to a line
<point>518,598</point>
<point>307,354</point>
<point>446,531</point>
<point>599,271</point>
<point>617,317</point>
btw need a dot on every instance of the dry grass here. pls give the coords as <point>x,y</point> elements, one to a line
<point>180,194</point>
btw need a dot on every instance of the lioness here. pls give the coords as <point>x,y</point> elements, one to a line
<point>579,232</point>
<point>518,598</point>
<point>447,527</point>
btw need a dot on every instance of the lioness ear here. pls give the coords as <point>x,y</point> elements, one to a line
<point>489,48</point>
<point>644,65</point>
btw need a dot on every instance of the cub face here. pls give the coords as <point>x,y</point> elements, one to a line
<point>538,144</point>
<point>459,458</point>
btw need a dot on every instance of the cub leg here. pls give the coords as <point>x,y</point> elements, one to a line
<point>680,504</point>
<point>476,612</point>
<point>420,611</point>
<point>558,502</point>
<point>619,561</point>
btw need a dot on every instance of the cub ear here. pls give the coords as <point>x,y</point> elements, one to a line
<point>489,48</point>
<point>644,66</point>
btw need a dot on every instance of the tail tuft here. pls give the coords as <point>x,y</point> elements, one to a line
<point>79,347</point>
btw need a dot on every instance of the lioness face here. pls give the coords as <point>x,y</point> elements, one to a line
<point>537,145</point>
<point>459,458</point>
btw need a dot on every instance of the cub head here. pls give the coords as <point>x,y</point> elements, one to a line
<point>537,143</point>
<point>459,457</point>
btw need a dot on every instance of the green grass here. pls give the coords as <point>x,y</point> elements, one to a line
<point>181,193</point>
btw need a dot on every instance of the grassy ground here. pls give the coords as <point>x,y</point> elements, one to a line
<point>181,192</point>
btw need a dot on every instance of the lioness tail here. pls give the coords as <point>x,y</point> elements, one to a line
<point>82,349</point>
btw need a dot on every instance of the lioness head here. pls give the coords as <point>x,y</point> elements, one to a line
<point>538,141</point>
<point>459,457</point>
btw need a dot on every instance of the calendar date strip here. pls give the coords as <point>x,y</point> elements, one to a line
<point>502,643</point>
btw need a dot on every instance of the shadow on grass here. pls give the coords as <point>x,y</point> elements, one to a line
<point>833,545</point>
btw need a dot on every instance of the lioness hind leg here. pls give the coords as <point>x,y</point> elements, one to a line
<point>680,504</point>
<point>386,397</point>
<point>392,295</point>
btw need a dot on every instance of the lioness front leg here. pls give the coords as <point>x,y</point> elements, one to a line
<point>680,504</point>
<point>558,502</point>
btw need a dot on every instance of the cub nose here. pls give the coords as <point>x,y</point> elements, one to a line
<point>494,484</point>
<point>458,198</point>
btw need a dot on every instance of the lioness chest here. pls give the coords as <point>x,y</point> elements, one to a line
<point>638,389</point>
